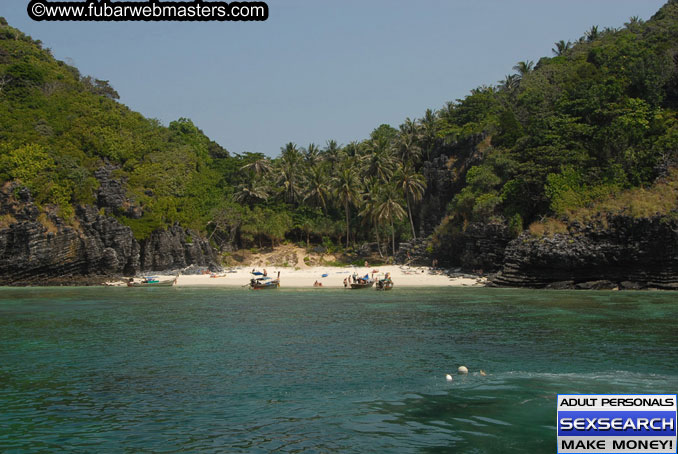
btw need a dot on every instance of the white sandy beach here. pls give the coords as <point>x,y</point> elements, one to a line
<point>330,277</point>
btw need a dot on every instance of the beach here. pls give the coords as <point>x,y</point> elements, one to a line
<point>328,276</point>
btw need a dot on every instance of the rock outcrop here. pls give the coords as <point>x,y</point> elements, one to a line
<point>445,173</point>
<point>622,252</point>
<point>39,247</point>
<point>479,248</point>
<point>483,245</point>
<point>175,248</point>
<point>112,195</point>
<point>414,252</point>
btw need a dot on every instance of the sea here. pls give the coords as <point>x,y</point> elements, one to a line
<point>196,370</point>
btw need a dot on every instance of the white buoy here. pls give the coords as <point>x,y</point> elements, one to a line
<point>448,377</point>
<point>462,370</point>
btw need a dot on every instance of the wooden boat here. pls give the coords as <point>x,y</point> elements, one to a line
<point>264,283</point>
<point>362,284</point>
<point>384,284</point>
<point>152,281</point>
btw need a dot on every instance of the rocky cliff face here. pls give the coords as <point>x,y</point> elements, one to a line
<point>480,247</point>
<point>175,248</point>
<point>626,253</point>
<point>38,248</point>
<point>445,173</point>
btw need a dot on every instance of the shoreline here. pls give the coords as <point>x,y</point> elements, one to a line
<point>328,276</point>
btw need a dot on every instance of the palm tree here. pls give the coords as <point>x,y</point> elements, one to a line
<point>409,127</point>
<point>428,131</point>
<point>312,154</point>
<point>352,150</point>
<point>290,173</point>
<point>290,181</point>
<point>633,22</point>
<point>510,82</point>
<point>253,190</point>
<point>378,162</point>
<point>407,148</point>
<point>346,188</point>
<point>259,167</point>
<point>413,185</point>
<point>389,208</point>
<point>592,34</point>
<point>370,204</point>
<point>523,68</point>
<point>561,48</point>
<point>290,153</point>
<point>318,188</point>
<point>332,153</point>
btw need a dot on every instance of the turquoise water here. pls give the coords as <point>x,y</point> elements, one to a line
<point>229,371</point>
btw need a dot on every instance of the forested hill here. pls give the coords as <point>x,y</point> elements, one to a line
<point>58,128</point>
<point>597,117</point>
<point>571,140</point>
<point>571,137</point>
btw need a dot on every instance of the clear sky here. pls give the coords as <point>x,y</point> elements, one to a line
<point>318,69</point>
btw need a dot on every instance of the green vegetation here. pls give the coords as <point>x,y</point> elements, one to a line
<point>586,130</point>
<point>573,133</point>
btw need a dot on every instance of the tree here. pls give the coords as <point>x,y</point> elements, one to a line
<point>290,173</point>
<point>634,22</point>
<point>389,208</point>
<point>312,154</point>
<point>524,68</point>
<point>332,153</point>
<point>378,162</point>
<point>346,189</point>
<point>370,204</point>
<point>225,219</point>
<point>100,87</point>
<point>5,79</point>
<point>592,34</point>
<point>510,82</point>
<point>318,188</point>
<point>259,167</point>
<point>407,148</point>
<point>561,48</point>
<point>413,186</point>
<point>252,191</point>
<point>428,131</point>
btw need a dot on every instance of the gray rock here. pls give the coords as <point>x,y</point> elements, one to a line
<point>38,251</point>
<point>629,253</point>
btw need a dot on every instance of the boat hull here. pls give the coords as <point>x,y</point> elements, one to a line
<point>151,284</point>
<point>356,286</point>
<point>268,286</point>
<point>384,285</point>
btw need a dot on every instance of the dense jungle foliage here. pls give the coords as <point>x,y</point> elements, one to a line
<point>594,122</point>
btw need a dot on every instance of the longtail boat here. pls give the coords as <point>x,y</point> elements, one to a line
<point>264,283</point>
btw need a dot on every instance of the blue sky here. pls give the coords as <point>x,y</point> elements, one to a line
<point>318,69</point>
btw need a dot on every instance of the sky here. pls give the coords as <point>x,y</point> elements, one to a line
<point>318,69</point>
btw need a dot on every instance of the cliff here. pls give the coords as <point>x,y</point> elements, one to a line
<point>38,247</point>
<point>624,252</point>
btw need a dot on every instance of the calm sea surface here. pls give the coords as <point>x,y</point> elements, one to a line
<point>91,370</point>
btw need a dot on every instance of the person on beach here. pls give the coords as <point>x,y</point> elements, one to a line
<point>345,282</point>
<point>265,273</point>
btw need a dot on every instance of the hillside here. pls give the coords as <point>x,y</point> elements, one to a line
<point>57,128</point>
<point>76,165</point>
<point>574,143</point>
